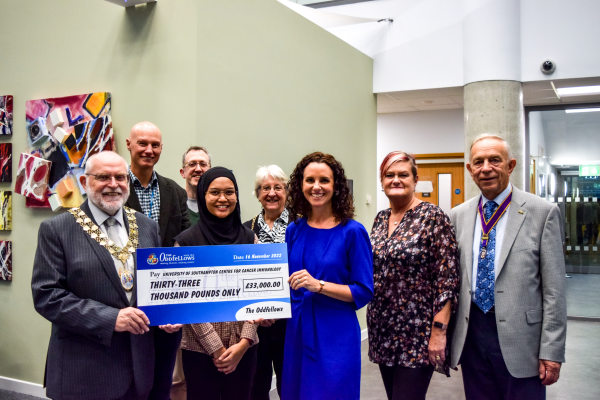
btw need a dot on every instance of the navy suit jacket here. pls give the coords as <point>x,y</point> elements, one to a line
<point>76,287</point>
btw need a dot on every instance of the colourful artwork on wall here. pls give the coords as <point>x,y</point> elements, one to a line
<point>5,260</point>
<point>6,211</point>
<point>66,131</point>
<point>6,115</point>
<point>32,177</point>
<point>5,162</point>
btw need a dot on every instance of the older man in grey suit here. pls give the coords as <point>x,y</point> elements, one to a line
<point>511,324</point>
<point>101,346</point>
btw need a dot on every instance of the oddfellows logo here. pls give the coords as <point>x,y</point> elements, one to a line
<point>152,259</point>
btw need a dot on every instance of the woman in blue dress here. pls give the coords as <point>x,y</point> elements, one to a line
<point>331,268</point>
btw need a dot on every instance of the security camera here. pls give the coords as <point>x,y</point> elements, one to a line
<point>548,67</point>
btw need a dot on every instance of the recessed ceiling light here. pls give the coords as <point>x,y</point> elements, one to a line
<point>581,110</point>
<point>579,90</point>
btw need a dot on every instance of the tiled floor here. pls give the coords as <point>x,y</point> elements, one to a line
<point>579,376</point>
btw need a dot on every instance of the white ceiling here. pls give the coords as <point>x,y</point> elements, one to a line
<point>534,94</point>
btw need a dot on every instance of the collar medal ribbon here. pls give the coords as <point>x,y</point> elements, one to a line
<point>121,253</point>
<point>487,226</point>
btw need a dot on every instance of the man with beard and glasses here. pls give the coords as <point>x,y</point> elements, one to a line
<point>83,282</point>
<point>164,201</point>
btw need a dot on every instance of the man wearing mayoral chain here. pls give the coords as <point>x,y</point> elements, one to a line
<point>511,323</point>
<point>101,346</point>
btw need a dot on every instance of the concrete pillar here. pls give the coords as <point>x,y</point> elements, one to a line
<point>493,97</point>
<point>496,107</point>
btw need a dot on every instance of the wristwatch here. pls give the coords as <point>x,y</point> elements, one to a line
<point>322,283</point>
<point>438,324</point>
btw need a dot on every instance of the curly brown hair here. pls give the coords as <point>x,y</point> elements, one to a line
<point>342,202</point>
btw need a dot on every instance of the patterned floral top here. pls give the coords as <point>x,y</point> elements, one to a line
<point>415,273</point>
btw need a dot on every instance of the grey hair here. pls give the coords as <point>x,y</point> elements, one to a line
<point>196,148</point>
<point>491,136</point>
<point>269,170</point>
<point>89,164</point>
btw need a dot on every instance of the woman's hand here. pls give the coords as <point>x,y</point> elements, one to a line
<point>302,279</point>
<point>229,360</point>
<point>437,346</point>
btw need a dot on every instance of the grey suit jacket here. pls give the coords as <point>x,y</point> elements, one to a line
<point>76,287</point>
<point>529,293</point>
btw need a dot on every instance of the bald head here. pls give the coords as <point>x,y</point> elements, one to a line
<point>104,157</point>
<point>144,127</point>
<point>145,145</point>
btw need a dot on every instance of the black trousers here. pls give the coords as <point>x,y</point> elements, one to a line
<point>485,376</point>
<point>269,355</point>
<point>205,382</point>
<point>165,350</point>
<point>403,383</point>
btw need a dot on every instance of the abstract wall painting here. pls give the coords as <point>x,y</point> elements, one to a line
<point>66,131</point>
<point>6,115</point>
<point>5,162</point>
<point>32,177</point>
<point>5,211</point>
<point>5,260</point>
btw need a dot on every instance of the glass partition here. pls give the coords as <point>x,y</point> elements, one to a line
<point>564,168</point>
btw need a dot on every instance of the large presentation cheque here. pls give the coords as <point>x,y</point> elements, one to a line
<point>185,285</point>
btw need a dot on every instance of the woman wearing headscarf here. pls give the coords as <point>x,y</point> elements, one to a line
<point>219,358</point>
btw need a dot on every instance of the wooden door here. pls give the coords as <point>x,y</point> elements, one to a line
<point>430,172</point>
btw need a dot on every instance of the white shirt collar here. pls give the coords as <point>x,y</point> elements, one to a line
<point>500,198</point>
<point>101,217</point>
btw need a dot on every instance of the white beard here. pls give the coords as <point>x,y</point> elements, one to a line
<point>111,208</point>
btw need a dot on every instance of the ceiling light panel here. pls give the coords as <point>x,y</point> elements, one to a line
<point>579,91</point>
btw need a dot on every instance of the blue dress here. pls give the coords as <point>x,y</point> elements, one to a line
<point>322,343</point>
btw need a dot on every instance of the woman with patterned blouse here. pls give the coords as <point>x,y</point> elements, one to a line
<point>270,187</point>
<point>415,269</point>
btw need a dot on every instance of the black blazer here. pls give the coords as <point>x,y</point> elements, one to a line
<point>76,287</point>
<point>173,217</point>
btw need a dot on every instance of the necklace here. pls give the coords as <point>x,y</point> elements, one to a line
<point>409,206</point>
<point>122,253</point>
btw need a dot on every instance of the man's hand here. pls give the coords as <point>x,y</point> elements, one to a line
<point>229,360</point>
<point>171,328</point>
<point>549,372</point>
<point>132,320</point>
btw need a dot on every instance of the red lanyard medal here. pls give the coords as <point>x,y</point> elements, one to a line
<point>487,226</point>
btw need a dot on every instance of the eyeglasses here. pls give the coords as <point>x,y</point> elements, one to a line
<point>215,194</point>
<point>107,177</point>
<point>194,164</point>
<point>267,189</point>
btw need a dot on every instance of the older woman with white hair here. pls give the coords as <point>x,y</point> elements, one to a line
<point>269,226</point>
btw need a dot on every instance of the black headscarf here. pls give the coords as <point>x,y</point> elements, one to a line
<point>216,231</point>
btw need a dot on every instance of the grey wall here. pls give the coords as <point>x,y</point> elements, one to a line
<point>250,79</point>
